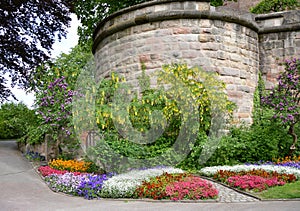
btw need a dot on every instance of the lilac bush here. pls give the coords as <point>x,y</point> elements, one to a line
<point>284,98</point>
<point>55,105</point>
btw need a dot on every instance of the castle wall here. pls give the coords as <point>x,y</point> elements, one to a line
<point>163,32</point>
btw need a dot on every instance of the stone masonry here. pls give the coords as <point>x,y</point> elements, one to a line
<point>236,45</point>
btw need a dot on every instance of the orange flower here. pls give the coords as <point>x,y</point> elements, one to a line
<point>70,165</point>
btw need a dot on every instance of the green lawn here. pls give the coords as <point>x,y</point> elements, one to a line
<point>288,191</point>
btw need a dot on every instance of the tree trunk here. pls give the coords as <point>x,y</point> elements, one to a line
<point>294,135</point>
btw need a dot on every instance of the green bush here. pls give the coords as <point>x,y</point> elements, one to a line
<point>15,120</point>
<point>268,6</point>
<point>137,117</point>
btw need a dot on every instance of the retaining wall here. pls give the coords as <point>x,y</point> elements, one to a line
<point>236,45</point>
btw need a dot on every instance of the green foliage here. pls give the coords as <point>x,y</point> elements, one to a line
<point>264,140</point>
<point>149,124</point>
<point>216,3</point>
<point>284,98</point>
<point>268,6</point>
<point>15,120</point>
<point>33,28</point>
<point>66,67</point>
<point>91,12</point>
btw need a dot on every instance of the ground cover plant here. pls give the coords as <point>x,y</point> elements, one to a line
<point>254,177</point>
<point>71,165</point>
<point>124,185</point>
<point>176,187</point>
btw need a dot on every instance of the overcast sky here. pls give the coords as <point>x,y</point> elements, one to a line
<point>59,47</point>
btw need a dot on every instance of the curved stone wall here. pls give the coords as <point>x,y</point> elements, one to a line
<point>162,32</point>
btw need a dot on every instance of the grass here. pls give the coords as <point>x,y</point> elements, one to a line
<point>288,191</point>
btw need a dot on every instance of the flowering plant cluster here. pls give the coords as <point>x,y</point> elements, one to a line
<point>176,187</point>
<point>91,185</point>
<point>284,98</point>
<point>224,175</point>
<point>67,183</point>
<point>75,183</point>
<point>253,177</point>
<point>287,161</point>
<point>46,171</point>
<point>55,105</point>
<point>193,188</point>
<point>70,165</point>
<point>253,182</point>
<point>156,187</point>
<point>34,156</point>
<point>210,171</point>
<point>124,185</point>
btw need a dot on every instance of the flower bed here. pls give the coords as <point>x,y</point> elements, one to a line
<point>155,183</point>
<point>124,185</point>
<point>252,177</point>
<point>287,161</point>
<point>210,171</point>
<point>70,165</point>
<point>252,182</point>
<point>176,187</point>
<point>47,170</point>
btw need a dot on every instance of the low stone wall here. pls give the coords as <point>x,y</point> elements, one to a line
<point>236,45</point>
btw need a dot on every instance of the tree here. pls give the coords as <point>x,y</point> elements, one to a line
<point>15,119</point>
<point>27,32</point>
<point>93,11</point>
<point>284,99</point>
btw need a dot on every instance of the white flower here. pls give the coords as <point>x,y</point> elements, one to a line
<point>124,185</point>
<point>209,171</point>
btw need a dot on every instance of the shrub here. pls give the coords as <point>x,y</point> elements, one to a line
<point>284,99</point>
<point>267,6</point>
<point>15,120</point>
<point>199,91</point>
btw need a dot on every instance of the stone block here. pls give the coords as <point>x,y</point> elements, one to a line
<point>190,5</point>
<point>196,45</point>
<point>206,23</point>
<point>209,46</point>
<point>203,6</point>
<point>177,6</point>
<point>243,89</point>
<point>183,30</point>
<point>190,54</point>
<point>230,72</point>
<point>203,38</point>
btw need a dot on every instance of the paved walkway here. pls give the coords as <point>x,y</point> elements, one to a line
<point>22,189</point>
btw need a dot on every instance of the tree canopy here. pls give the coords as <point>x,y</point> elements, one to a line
<point>27,32</point>
<point>91,12</point>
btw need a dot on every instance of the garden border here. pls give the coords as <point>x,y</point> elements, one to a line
<point>35,168</point>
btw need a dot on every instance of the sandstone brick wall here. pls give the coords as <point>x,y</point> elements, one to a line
<point>279,39</point>
<point>162,32</point>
